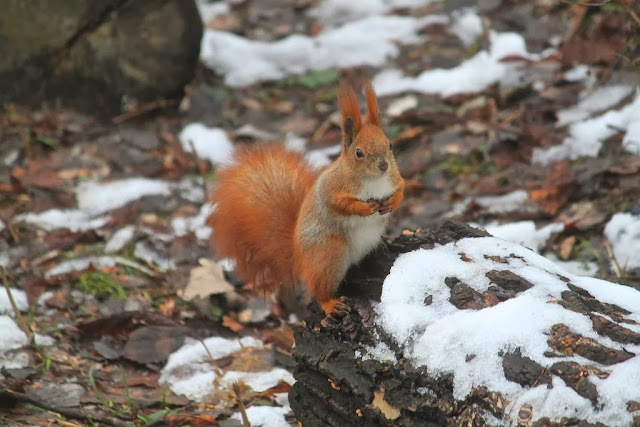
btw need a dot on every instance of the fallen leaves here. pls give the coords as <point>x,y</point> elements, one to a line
<point>557,188</point>
<point>206,280</point>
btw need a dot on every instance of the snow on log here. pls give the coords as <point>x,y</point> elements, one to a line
<point>470,329</point>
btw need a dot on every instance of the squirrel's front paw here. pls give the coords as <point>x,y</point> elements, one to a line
<point>385,207</point>
<point>369,207</point>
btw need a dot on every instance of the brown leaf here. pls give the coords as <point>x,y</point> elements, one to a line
<point>150,380</point>
<point>282,387</point>
<point>556,189</point>
<point>64,239</point>
<point>582,216</point>
<point>232,324</point>
<point>566,247</point>
<point>282,337</point>
<point>206,280</point>
<point>123,323</point>
<point>42,172</point>
<point>581,51</point>
<point>154,344</point>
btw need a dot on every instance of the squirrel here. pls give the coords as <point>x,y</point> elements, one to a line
<point>282,221</point>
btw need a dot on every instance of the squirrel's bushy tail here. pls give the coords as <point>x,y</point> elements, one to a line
<point>257,200</point>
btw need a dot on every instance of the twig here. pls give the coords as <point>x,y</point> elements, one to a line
<point>202,170</point>
<point>140,109</point>
<point>620,273</point>
<point>633,14</point>
<point>11,228</point>
<point>217,370</point>
<point>243,410</point>
<point>21,323</point>
<point>66,412</point>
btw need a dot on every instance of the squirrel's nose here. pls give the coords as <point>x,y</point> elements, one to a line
<point>384,166</point>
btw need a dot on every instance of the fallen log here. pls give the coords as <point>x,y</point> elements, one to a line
<point>470,330</point>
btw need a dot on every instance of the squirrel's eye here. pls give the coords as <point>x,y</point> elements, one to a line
<point>390,146</point>
<point>359,153</point>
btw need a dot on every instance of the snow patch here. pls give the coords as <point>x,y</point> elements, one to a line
<point>98,262</point>
<point>599,100</point>
<point>189,371</point>
<point>524,233</point>
<point>258,381</point>
<point>19,297</point>
<point>196,224</point>
<point>211,144</point>
<point>72,219</point>
<point>368,41</point>
<point>631,140</point>
<point>11,338</point>
<point>145,252</point>
<point>265,416</point>
<point>469,343</point>
<point>467,25</point>
<point>623,232</point>
<point>334,12</point>
<point>585,138</point>
<point>209,10</point>
<point>472,75</point>
<point>505,203</point>
<point>119,239</point>
<point>99,197</point>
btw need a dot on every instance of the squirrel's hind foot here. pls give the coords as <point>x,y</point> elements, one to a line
<point>335,308</point>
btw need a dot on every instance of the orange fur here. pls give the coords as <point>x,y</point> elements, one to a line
<point>348,104</point>
<point>372,104</point>
<point>280,221</point>
<point>257,203</point>
<point>344,204</point>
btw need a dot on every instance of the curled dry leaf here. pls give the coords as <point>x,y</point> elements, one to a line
<point>557,188</point>
<point>206,280</point>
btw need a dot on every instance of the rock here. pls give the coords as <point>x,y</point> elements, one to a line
<point>95,54</point>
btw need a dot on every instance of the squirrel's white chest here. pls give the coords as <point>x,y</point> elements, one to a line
<point>376,188</point>
<point>365,231</point>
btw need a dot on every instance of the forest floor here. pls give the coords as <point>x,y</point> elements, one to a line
<point>102,231</point>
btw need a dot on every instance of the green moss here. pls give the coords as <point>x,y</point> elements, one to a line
<point>101,285</point>
<point>313,79</point>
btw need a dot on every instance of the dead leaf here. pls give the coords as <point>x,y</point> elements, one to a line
<point>41,173</point>
<point>252,359</point>
<point>282,387</point>
<point>581,51</point>
<point>281,337</point>
<point>390,412</point>
<point>154,344</point>
<point>582,216</point>
<point>206,280</point>
<point>566,247</point>
<point>556,189</point>
<point>232,324</point>
<point>122,323</point>
<point>167,308</point>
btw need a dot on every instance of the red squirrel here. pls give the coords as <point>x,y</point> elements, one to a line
<point>281,221</point>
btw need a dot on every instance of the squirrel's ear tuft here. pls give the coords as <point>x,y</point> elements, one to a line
<point>349,108</point>
<point>372,104</point>
<point>348,127</point>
